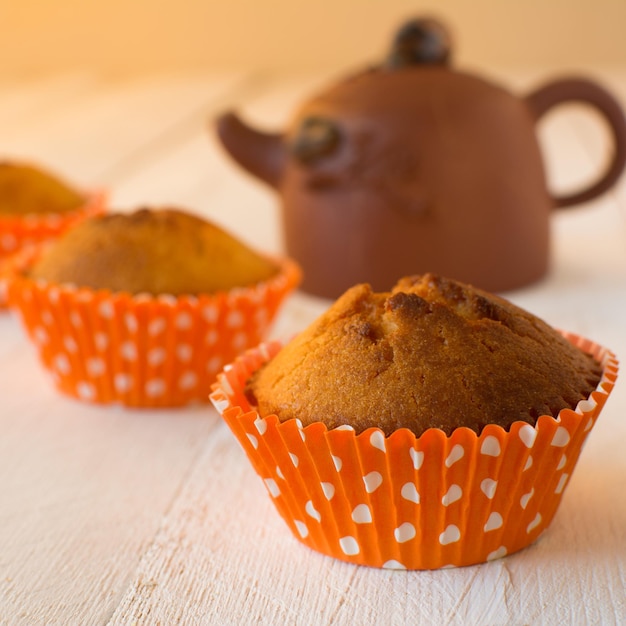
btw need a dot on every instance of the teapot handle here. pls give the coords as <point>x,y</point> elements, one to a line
<point>587,92</point>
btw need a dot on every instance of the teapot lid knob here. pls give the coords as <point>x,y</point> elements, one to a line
<point>420,41</point>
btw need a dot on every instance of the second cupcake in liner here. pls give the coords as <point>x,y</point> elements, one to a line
<point>146,349</point>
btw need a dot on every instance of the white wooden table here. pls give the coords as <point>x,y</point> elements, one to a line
<point>111,516</point>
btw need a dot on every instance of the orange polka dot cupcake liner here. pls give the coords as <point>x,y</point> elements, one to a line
<point>143,351</point>
<point>407,502</point>
<point>21,231</point>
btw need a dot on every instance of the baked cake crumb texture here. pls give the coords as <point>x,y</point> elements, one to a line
<point>431,353</point>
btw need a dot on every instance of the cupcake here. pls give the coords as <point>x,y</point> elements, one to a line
<point>35,206</point>
<point>144,309</point>
<point>434,425</point>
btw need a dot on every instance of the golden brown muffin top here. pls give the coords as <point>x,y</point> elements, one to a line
<point>155,251</point>
<point>27,190</point>
<point>431,353</point>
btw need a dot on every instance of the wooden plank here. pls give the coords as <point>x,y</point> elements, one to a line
<point>25,102</point>
<point>92,138</point>
<point>121,517</point>
<point>84,488</point>
<point>83,491</point>
<point>224,556</point>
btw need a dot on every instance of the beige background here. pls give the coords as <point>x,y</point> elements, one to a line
<point>130,36</point>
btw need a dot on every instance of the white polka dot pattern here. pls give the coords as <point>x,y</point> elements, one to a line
<point>527,434</point>
<point>393,565</point>
<point>123,383</point>
<point>62,364</point>
<point>349,546</point>
<point>417,457</point>
<point>188,380</point>
<point>362,514</point>
<point>312,511</point>
<point>450,535</point>
<point>272,487</point>
<point>525,499</point>
<point>372,481</point>
<point>404,532</point>
<point>490,447</point>
<point>488,487</point>
<point>456,454</point>
<point>377,439</point>
<point>95,367</point>
<point>141,350</point>
<point>157,326</point>
<point>328,489</point>
<point>409,492</point>
<point>453,494</point>
<point>494,522</point>
<point>403,502</point>
<point>303,531</point>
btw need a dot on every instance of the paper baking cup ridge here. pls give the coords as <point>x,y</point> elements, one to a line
<point>142,350</point>
<point>407,502</point>
<point>18,232</point>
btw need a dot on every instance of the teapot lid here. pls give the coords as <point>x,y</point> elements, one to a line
<point>420,41</point>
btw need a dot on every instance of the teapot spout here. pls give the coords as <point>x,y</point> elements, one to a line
<point>261,154</point>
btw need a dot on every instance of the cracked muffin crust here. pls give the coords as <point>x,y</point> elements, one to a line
<point>432,353</point>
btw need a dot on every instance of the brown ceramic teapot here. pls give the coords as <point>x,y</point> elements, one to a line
<point>412,166</point>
